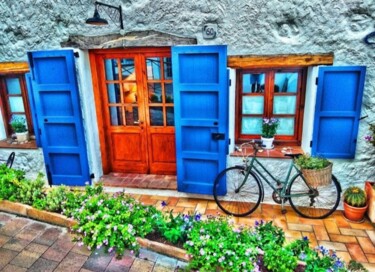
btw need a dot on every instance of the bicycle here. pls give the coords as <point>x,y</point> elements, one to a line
<point>238,190</point>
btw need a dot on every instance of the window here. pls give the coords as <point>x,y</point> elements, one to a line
<point>14,101</point>
<point>270,93</point>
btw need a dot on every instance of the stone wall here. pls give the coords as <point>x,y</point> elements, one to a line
<point>30,161</point>
<point>257,27</point>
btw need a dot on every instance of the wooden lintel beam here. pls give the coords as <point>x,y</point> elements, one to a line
<point>13,67</point>
<point>249,61</point>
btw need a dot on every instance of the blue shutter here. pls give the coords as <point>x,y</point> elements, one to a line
<point>200,85</point>
<point>337,111</point>
<point>56,109</point>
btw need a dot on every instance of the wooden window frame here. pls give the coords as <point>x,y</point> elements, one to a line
<point>5,106</point>
<point>293,140</point>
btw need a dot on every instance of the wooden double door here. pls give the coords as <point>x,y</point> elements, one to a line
<point>135,109</point>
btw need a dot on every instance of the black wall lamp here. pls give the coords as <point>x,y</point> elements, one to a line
<point>109,9</point>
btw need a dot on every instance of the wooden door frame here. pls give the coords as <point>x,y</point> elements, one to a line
<point>95,55</point>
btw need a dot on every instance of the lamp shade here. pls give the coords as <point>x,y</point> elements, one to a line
<point>96,20</point>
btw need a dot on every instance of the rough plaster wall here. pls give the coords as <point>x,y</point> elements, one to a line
<point>31,161</point>
<point>258,27</point>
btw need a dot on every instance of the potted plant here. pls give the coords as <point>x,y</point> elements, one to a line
<point>355,204</point>
<point>316,170</point>
<point>18,125</point>
<point>269,127</point>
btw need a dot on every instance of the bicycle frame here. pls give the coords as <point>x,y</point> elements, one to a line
<point>281,184</point>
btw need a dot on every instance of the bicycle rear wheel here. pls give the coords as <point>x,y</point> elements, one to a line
<point>241,198</point>
<point>314,202</point>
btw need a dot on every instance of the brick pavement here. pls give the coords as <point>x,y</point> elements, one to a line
<point>29,245</point>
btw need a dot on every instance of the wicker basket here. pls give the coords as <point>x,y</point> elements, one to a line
<point>318,177</point>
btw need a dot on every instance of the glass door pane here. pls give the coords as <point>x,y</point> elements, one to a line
<point>160,91</point>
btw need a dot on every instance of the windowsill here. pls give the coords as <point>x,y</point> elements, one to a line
<point>277,152</point>
<point>8,143</point>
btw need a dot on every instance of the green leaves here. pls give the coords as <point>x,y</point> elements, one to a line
<point>307,162</point>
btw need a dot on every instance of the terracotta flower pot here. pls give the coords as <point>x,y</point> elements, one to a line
<point>354,214</point>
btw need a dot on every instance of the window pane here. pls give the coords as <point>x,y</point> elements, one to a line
<point>116,116</point>
<point>153,68</point>
<point>13,86</point>
<point>252,104</point>
<point>286,82</point>
<point>253,83</point>
<point>113,91</point>
<point>169,92</point>
<point>131,115</point>
<point>155,93</point>
<point>130,92</point>
<point>167,68</point>
<point>286,126</point>
<point>284,105</point>
<point>127,69</point>
<point>16,104</point>
<point>156,116</point>
<point>170,116</point>
<point>111,69</point>
<point>251,125</point>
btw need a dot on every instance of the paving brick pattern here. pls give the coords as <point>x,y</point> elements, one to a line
<point>27,245</point>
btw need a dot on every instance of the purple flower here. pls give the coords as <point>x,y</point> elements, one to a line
<point>368,138</point>
<point>163,203</point>
<point>197,217</point>
<point>305,238</point>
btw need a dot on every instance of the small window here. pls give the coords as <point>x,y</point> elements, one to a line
<point>14,101</point>
<point>266,93</point>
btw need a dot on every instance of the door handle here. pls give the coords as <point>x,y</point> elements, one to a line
<point>218,136</point>
<point>138,122</point>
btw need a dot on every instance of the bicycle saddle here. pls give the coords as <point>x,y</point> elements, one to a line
<point>295,155</point>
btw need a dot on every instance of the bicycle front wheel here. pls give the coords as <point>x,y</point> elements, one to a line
<point>242,196</point>
<point>314,202</point>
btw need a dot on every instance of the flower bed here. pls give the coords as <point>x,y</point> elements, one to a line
<point>118,222</point>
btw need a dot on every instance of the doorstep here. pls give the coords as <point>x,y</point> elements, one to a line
<point>142,181</point>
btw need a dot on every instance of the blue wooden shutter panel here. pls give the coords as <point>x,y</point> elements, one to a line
<point>337,111</point>
<point>200,86</point>
<point>56,108</point>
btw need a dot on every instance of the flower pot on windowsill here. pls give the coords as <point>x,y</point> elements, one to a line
<point>22,136</point>
<point>267,143</point>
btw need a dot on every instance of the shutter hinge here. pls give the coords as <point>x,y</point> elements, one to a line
<point>76,54</point>
<point>92,175</point>
<point>355,141</point>
<point>230,82</point>
<point>49,176</point>
<point>31,63</point>
<point>316,81</point>
<point>311,142</point>
<point>229,141</point>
